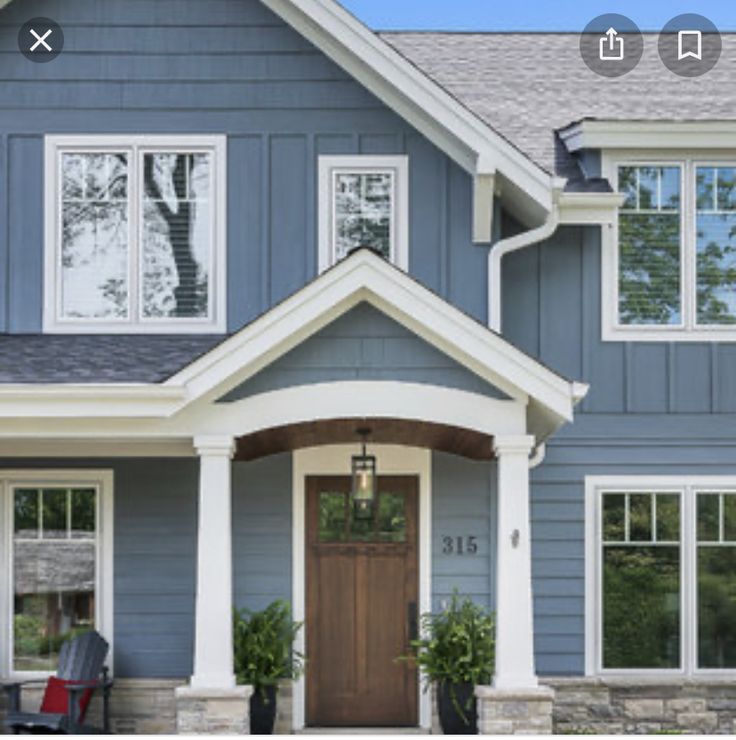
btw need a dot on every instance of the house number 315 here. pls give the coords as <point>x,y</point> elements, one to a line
<point>459,545</point>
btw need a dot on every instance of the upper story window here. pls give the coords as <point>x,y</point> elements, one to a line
<point>363,203</point>
<point>135,235</point>
<point>670,272</point>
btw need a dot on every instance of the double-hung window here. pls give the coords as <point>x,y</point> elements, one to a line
<point>363,204</point>
<point>58,584</point>
<point>670,272</point>
<point>662,575</point>
<point>135,234</point>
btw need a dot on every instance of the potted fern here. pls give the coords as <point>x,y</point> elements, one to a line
<point>457,653</point>
<point>263,646</point>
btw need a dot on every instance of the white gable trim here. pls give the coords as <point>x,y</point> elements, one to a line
<point>366,277</point>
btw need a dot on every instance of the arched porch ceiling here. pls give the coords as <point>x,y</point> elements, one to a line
<point>426,435</point>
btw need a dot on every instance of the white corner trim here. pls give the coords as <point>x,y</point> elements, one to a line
<point>103,481</point>
<point>135,145</point>
<point>484,193</point>
<point>398,167</point>
<point>649,135</point>
<point>335,460</point>
<point>452,127</point>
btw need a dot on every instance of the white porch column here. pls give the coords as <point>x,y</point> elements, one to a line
<point>213,652</point>
<point>514,608</point>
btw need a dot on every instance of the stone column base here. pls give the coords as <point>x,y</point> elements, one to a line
<point>213,711</point>
<point>514,711</point>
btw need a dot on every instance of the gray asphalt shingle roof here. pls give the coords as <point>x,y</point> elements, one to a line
<point>98,359</point>
<point>526,86</point>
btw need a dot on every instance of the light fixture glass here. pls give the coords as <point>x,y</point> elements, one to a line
<point>364,481</point>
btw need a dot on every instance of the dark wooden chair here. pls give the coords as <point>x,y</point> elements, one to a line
<point>81,672</point>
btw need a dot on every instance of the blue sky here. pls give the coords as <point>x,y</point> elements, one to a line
<point>531,15</point>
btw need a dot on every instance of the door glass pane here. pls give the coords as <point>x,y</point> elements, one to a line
<point>363,204</point>
<point>177,235</point>
<point>716,245</point>
<point>729,517</point>
<point>332,513</point>
<point>53,580</point>
<point>391,518</point>
<point>649,246</point>
<point>94,236</point>
<point>338,523</point>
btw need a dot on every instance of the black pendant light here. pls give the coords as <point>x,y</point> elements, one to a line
<point>364,480</point>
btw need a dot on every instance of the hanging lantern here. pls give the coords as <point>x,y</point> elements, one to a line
<point>364,481</point>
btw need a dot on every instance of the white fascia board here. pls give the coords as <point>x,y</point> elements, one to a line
<point>589,208</point>
<point>89,401</point>
<point>467,139</point>
<point>654,135</point>
<point>366,277</point>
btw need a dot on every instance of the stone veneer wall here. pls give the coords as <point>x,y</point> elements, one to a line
<point>631,706</point>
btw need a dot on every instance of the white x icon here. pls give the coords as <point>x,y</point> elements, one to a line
<point>41,40</point>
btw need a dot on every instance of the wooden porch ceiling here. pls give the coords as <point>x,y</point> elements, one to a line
<point>463,442</point>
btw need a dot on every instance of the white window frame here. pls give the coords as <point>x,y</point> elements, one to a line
<point>688,330</point>
<point>363,164</point>
<point>102,481</point>
<point>687,487</point>
<point>137,146</point>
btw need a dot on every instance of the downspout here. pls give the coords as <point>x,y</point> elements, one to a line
<point>538,456</point>
<point>514,244</point>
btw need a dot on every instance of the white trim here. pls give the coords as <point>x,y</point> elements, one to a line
<point>103,481</point>
<point>687,487</point>
<point>688,330</point>
<point>335,460</point>
<point>649,135</point>
<point>366,277</point>
<point>135,146</point>
<point>43,449</point>
<point>398,167</point>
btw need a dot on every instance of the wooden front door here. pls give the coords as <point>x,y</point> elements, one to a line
<point>362,589</point>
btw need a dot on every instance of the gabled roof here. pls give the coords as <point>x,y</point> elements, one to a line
<point>527,86</point>
<point>365,277</point>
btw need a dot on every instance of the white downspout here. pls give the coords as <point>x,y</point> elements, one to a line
<point>506,246</point>
<point>538,456</point>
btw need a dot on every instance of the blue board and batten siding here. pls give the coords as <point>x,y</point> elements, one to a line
<point>224,67</point>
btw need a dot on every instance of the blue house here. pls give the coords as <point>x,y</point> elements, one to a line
<point>250,248</point>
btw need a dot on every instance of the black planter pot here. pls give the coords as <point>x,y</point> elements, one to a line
<point>263,711</point>
<point>450,697</point>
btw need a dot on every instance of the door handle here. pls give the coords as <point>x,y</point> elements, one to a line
<point>413,621</point>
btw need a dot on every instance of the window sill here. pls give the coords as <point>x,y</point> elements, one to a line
<point>677,335</point>
<point>159,328</point>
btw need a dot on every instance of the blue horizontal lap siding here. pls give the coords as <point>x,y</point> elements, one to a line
<point>463,497</point>
<point>155,532</point>
<point>233,68</point>
<point>363,344</point>
<point>262,531</point>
